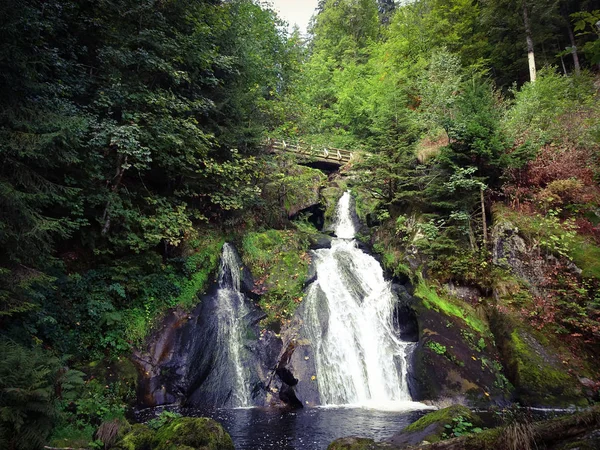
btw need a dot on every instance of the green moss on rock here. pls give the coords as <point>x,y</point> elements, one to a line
<point>355,443</point>
<point>140,437</point>
<point>431,427</point>
<point>193,433</point>
<point>538,379</point>
<point>432,300</point>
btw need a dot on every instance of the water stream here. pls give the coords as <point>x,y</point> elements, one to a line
<point>360,359</point>
<point>231,311</point>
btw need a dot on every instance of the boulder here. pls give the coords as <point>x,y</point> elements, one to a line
<point>198,433</point>
<point>139,437</point>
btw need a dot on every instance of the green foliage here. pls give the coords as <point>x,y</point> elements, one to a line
<point>436,422</point>
<point>436,347</point>
<point>163,419</point>
<point>460,426</point>
<point>32,382</point>
<point>539,108</point>
<point>586,24</point>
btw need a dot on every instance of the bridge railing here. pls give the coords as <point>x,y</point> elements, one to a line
<point>326,153</point>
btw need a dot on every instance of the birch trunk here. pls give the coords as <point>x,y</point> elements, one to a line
<point>528,37</point>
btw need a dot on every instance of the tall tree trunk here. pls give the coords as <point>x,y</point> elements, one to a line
<point>528,37</point>
<point>483,220</point>
<point>573,47</point>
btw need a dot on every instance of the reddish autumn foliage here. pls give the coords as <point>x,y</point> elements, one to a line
<point>562,178</point>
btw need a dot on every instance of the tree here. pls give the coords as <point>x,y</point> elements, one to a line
<point>344,28</point>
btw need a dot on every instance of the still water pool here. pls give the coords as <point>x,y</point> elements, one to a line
<point>305,429</point>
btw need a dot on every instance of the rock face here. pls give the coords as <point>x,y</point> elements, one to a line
<point>185,362</point>
<point>539,376</point>
<point>453,360</point>
<point>531,359</point>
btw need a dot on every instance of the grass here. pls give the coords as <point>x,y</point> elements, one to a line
<point>432,300</point>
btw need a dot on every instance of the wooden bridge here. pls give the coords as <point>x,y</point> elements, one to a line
<point>332,155</point>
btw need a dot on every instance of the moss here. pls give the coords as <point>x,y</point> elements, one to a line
<point>191,432</point>
<point>329,199</point>
<point>365,204</point>
<point>586,255</point>
<point>486,440</point>
<point>442,417</point>
<point>538,380</point>
<point>139,438</point>
<point>279,260</point>
<point>354,443</point>
<point>432,300</point>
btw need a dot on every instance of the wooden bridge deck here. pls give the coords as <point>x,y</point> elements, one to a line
<point>326,154</point>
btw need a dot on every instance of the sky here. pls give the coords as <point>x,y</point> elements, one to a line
<point>295,11</point>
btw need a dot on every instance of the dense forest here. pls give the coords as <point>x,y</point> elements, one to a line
<point>132,145</point>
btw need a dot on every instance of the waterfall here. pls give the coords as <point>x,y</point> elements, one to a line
<point>231,311</point>
<point>360,359</point>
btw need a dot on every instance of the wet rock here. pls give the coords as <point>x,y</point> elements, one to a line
<point>452,360</point>
<point>288,396</point>
<point>184,360</point>
<point>320,241</point>
<point>405,317</point>
<point>286,376</point>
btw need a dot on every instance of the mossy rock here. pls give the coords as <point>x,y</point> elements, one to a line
<point>139,437</point>
<point>355,443</point>
<point>193,433</point>
<point>329,199</point>
<point>455,356</point>
<point>431,427</point>
<point>539,376</point>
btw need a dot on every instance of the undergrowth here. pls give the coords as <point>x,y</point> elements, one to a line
<point>279,261</point>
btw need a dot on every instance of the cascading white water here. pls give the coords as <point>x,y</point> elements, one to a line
<point>231,311</point>
<point>349,317</point>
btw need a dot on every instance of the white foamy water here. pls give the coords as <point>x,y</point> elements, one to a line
<point>360,360</point>
<point>231,311</point>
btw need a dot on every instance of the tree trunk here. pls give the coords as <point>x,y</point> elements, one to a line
<point>483,220</point>
<point>529,39</point>
<point>118,177</point>
<point>573,47</point>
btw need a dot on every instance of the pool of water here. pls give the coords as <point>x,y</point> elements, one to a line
<point>305,429</point>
